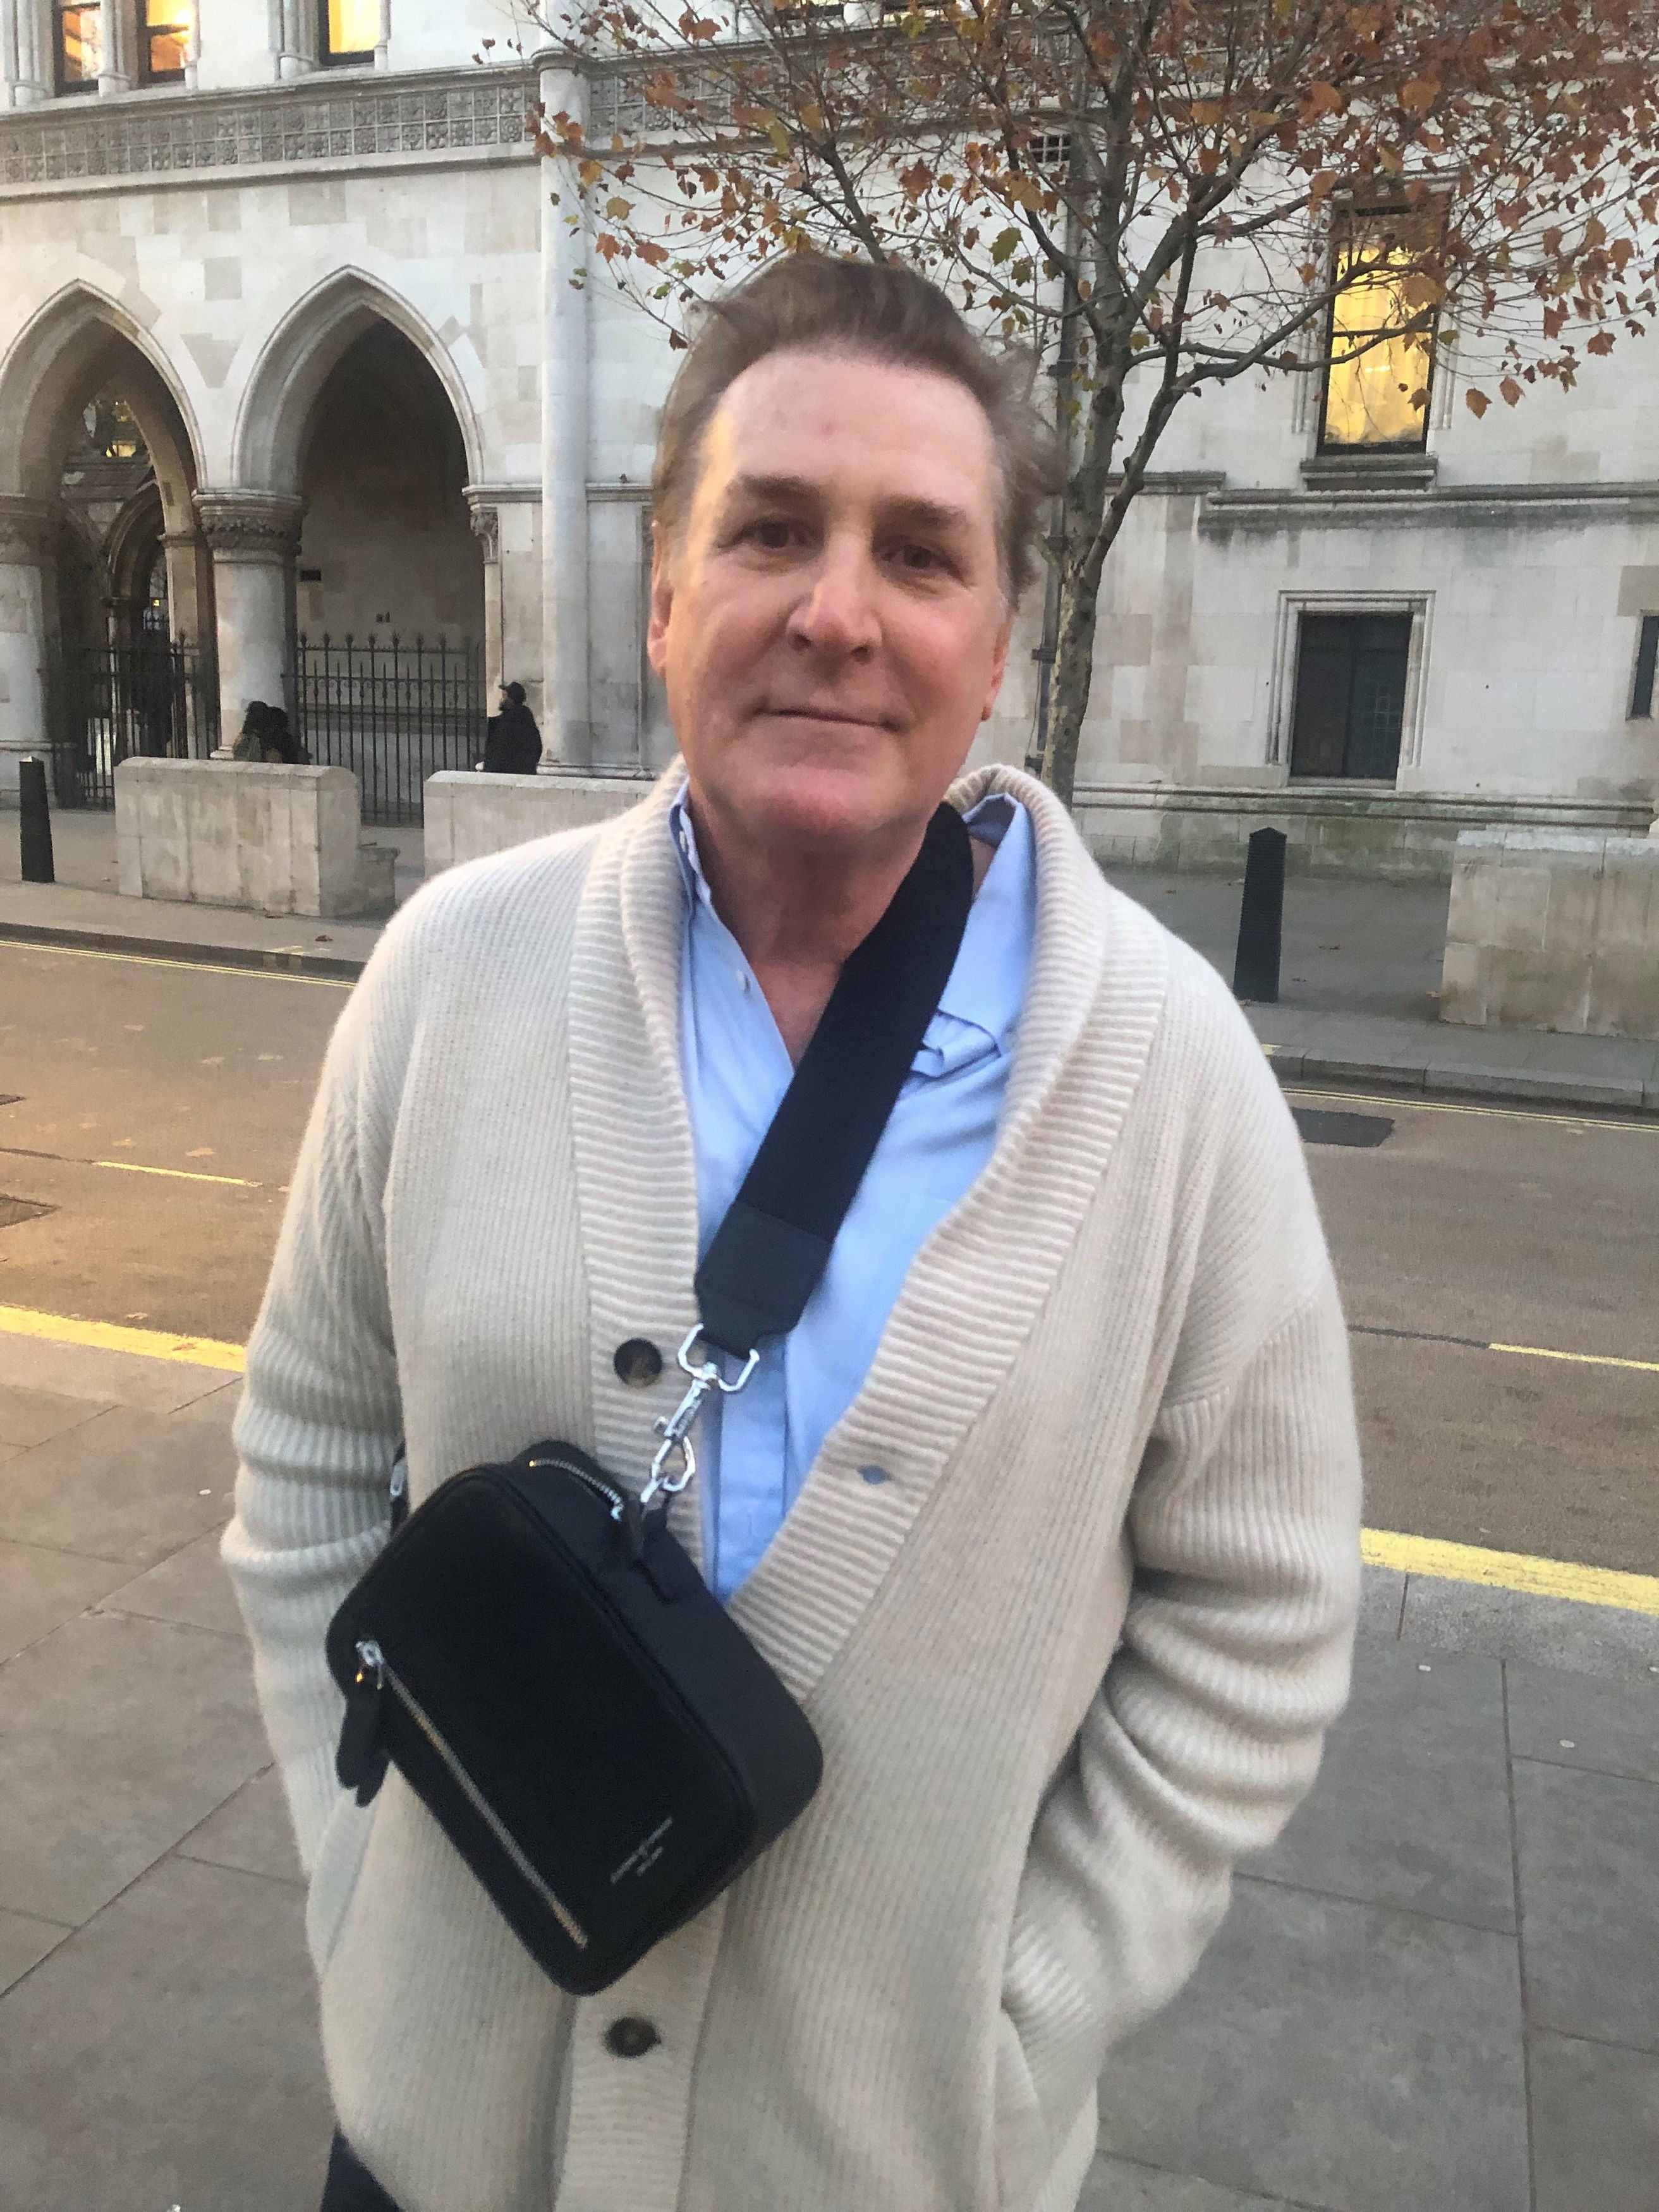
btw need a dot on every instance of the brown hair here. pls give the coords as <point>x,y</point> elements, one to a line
<point>884,311</point>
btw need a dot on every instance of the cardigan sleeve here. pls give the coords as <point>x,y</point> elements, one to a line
<point>1243,1526</point>
<point>320,1418</point>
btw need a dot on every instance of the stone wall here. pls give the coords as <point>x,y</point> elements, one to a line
<point>1554,931</point>
<point>1331,831</point>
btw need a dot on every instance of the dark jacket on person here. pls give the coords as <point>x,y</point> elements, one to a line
<point>513,743</point>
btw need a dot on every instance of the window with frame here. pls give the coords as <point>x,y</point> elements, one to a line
<point>1379,356</point>
<point>348,31</point>
<point>1351,674</point>
<point>164,41</point>
<point>78,45</point>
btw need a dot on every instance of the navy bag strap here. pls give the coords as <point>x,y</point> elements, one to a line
<point>767,1255</point>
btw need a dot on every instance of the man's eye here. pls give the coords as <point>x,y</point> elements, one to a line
<point>772,533</point>
<point>919,560</point>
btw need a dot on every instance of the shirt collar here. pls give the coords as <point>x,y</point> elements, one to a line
<point>986,987</point>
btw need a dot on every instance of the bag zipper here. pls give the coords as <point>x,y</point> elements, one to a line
<point>615,1498</point>
<point>374,1663</point>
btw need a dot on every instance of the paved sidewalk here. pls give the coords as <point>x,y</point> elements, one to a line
<point>85,906</point>
<point>1359,996</point>
<point>1361,971</point>
<point>1440,1993</point>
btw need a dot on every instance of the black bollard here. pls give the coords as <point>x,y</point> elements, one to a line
<point>1261,919</point>
<point>36,821</point>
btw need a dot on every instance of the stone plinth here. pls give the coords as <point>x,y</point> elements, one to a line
<point>469,814</point>
<point>230,833</point>
<point>1554,930</point>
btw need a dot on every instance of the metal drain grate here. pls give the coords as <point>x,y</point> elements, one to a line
<point>1319,1126</point>
<point>14,1210</point>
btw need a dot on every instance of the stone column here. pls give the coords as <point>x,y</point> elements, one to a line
<point>190,588</point>
<point>25,51</point>
<point>506,520</point>
<point>296,52</point>
<point>116,72</point>
<point>383,43</point>
<point>567,724</point>
<point>253,537</point>
<point>26,530</point>
<point>487,529</point>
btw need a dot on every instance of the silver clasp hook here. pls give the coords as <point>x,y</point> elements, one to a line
<point>675,1428</point>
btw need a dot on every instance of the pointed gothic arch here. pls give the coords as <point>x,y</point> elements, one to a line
<point>274,413</point>
<point>80,341</point>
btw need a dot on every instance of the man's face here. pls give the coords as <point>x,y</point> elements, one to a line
<point>830,619</point>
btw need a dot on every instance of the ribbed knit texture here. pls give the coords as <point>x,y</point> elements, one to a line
<point>1068,1663</point>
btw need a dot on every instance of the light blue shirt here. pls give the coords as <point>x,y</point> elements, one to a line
<point>755,1448</point>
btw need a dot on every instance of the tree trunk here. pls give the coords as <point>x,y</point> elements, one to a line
<point>1089,534</point>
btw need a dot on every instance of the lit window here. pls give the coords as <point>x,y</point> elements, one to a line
<point>80,48</point>
<point>167,40</point>
<point>1377,375</point>
<point>351,29</point>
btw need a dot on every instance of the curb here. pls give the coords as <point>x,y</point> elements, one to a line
<point>335,968</point>
<point>1522,1086</point>
<point>1603,1094</point>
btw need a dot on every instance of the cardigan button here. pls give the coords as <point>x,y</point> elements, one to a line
<point>630,2036</point>
<point>638,1363</point>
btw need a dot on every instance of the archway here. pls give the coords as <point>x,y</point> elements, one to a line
<point>390,581</point>
<point>96,452</point>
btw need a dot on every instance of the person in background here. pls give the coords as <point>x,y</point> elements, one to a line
<point>256,723</point>
<point>513,743</point>
<point>282,749</point>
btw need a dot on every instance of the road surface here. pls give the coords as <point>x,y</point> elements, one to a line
<point>155,1109</point>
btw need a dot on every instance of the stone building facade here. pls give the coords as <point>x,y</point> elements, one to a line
<point>307,247</point>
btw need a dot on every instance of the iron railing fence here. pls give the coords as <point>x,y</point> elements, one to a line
<point>106,703</point>
<point>392,712</point>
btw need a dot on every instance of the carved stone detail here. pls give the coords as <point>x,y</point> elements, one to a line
<point>28,528</point>
<point>251,524</point>
<point>168,132</point>
<point>487,529</point>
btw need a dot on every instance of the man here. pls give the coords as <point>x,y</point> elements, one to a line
<point>1047,1510</point>
<point>513,743</point>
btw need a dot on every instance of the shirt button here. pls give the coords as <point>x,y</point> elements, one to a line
<point>638,1363</point>
<point>630,2036</point>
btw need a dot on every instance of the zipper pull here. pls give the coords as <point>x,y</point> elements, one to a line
<point>399,1488</point>
<point>360,1760</point>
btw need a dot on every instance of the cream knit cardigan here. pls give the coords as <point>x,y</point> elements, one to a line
<point>1069,1662</point>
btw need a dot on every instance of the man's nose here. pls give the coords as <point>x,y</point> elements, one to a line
<point>837,613</point>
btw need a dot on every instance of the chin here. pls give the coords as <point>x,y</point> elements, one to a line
<point>813,805</point>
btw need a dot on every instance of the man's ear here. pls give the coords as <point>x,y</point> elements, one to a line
<point>662,598</point>
<point>999,666</point>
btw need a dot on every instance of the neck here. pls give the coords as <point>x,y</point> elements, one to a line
<point>798,915</point>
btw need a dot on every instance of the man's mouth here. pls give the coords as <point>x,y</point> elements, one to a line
<point>870,721</point>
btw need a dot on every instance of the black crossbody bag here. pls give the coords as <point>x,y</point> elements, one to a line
<point>535,1651</point>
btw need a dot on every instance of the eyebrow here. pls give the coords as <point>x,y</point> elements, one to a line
<point>922,513</point>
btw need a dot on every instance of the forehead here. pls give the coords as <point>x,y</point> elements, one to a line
<point>849,424</point>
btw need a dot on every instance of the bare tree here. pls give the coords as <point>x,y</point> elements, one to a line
<point>1156,195</point>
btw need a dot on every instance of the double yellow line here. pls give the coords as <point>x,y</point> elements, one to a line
<point>1380,1548</point>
